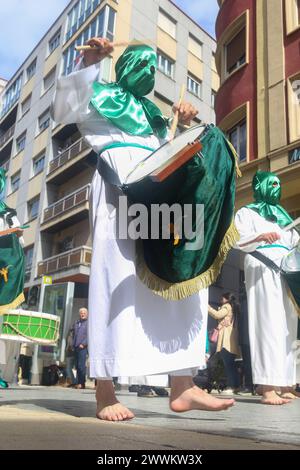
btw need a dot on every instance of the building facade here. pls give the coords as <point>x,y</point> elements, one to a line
<point>258,104</point>
<point>49,166</point>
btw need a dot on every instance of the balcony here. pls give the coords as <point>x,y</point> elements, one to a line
<point>69,260</point>
<point>70,162</point>
<point>67,211</point>
<point>5,138</point>
<point>5,165</point>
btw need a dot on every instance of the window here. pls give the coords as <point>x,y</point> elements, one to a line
<point>38,164</point>
<point>54,42</point>
<point>166,23</point>
<point>15,181</point>
<point>79,14</point>
<point>195,46</point>
<point>20,143</point>
<point>194,86</point>
<point>106,69</point>
<point>66,244</point>
<point>28,252</point>
<point>26,105</point>
<point>44,121</point>
<point>236,52</point>
<point>213,98</point>
<point>11,96</point>
<point>213,63</point>
<point>31,70</point>
<point>238,137</point>
<point>294,156</point>
<point>102,26</point>
<point>165,65</point>
<point>33,208</point>
<point>49,79</point>
<point>294,107</point>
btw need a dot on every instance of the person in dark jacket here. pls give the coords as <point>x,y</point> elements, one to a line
<point>80,345</point>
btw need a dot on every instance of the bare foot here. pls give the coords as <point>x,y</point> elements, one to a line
<point>289,393</point>
<point>196,399</point>
<point>108,407</point>
<point>113,412</point>
<point>270,397</point>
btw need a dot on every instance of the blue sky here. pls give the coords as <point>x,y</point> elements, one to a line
<point>204,12</point>
<point>34,17</point>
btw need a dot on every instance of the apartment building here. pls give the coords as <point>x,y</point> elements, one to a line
<point>49,166</point>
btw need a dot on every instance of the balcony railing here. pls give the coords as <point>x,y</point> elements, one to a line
<point>67,203</point>
<point>8,135</point>
<point>72,258</point>
<point>67,155</point>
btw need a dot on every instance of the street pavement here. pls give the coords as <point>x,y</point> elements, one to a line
<point>37,418</point>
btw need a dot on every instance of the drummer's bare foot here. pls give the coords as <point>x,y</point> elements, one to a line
<point>185,396</point>
<point>270,397</point>
<point>108,407</point>
<point>289,393</point>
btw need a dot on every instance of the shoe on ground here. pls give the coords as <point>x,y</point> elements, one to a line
<point>79,386</point>
<point>244,391</point>
<point>134,388</point>
<point>228,391</point>
<point>146,392</point>
<point>161,392</point>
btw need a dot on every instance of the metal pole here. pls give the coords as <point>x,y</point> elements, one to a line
<point>35,376</point>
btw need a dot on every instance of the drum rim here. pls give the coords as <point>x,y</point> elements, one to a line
<point>32,313</point>
<point>126,183</point>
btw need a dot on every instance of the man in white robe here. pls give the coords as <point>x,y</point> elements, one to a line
<point>132,332</point>
<point>272,313</point>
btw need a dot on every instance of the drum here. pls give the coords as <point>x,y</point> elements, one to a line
<point>182,174</point>
<point>290,269</point>
<point>28,326</point>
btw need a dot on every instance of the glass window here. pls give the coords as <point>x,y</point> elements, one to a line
<point>11,96</point>
<point>38,164</point>
<point>213,98</point>
<point>236,51</point>
<point>44,121</point>
<point>103,26</point>
<point>33,208</point>
<point>54,42</point>
<point>166,23</point>
<point>15,181</point>
<point>195,46</point>
<point>49,79</point>
<point>26,105</point>
<point>194,86</point>
<point>20,143</point>
<point>28,252</point>
<point>30,71</point>
<point>238,137</point>
<point>213,63</point>
<point>165,65</point>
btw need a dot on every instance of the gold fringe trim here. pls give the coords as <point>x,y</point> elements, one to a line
<point>18,301</point>
<point>236,157</point>
<point>181,290</point>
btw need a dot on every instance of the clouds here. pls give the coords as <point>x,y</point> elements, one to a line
<point>23,24</point>
<point>204,12</point>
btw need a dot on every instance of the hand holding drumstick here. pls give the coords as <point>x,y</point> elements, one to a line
<point>184,112</point>
<point>98,50</point>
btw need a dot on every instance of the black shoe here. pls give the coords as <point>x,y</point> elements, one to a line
<point>146,392</point>
<point>161,392</point>
<point>134,388</point>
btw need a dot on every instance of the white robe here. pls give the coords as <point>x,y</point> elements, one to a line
<point>272,315</point>
<point>132,332</point>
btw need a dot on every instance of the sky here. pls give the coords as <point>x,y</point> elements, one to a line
<point>19,33</point>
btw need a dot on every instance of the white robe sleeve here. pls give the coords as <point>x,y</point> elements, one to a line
<point>73,93</point>
<point>245,227</point>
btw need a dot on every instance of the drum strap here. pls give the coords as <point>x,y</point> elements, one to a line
<point>265,260</point>
<point>106,171</point>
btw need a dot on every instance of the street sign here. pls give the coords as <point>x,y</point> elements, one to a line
<point>47,280</point>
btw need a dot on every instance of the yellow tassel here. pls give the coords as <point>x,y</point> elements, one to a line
<point>181,290</point>
<point>4,273</point>
<point>236,157</point>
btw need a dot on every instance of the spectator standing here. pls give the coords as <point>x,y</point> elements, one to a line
<point>80,347</point>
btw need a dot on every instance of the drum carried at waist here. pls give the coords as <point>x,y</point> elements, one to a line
<point>290,269</point>
<point>197,168</point>
<point>32,327</point>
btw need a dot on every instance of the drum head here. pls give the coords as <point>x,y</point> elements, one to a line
<point>163,154</point>
<point>291,262</point>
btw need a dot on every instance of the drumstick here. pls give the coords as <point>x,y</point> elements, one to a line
<point>176,116</point>
<point>112,44</point>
